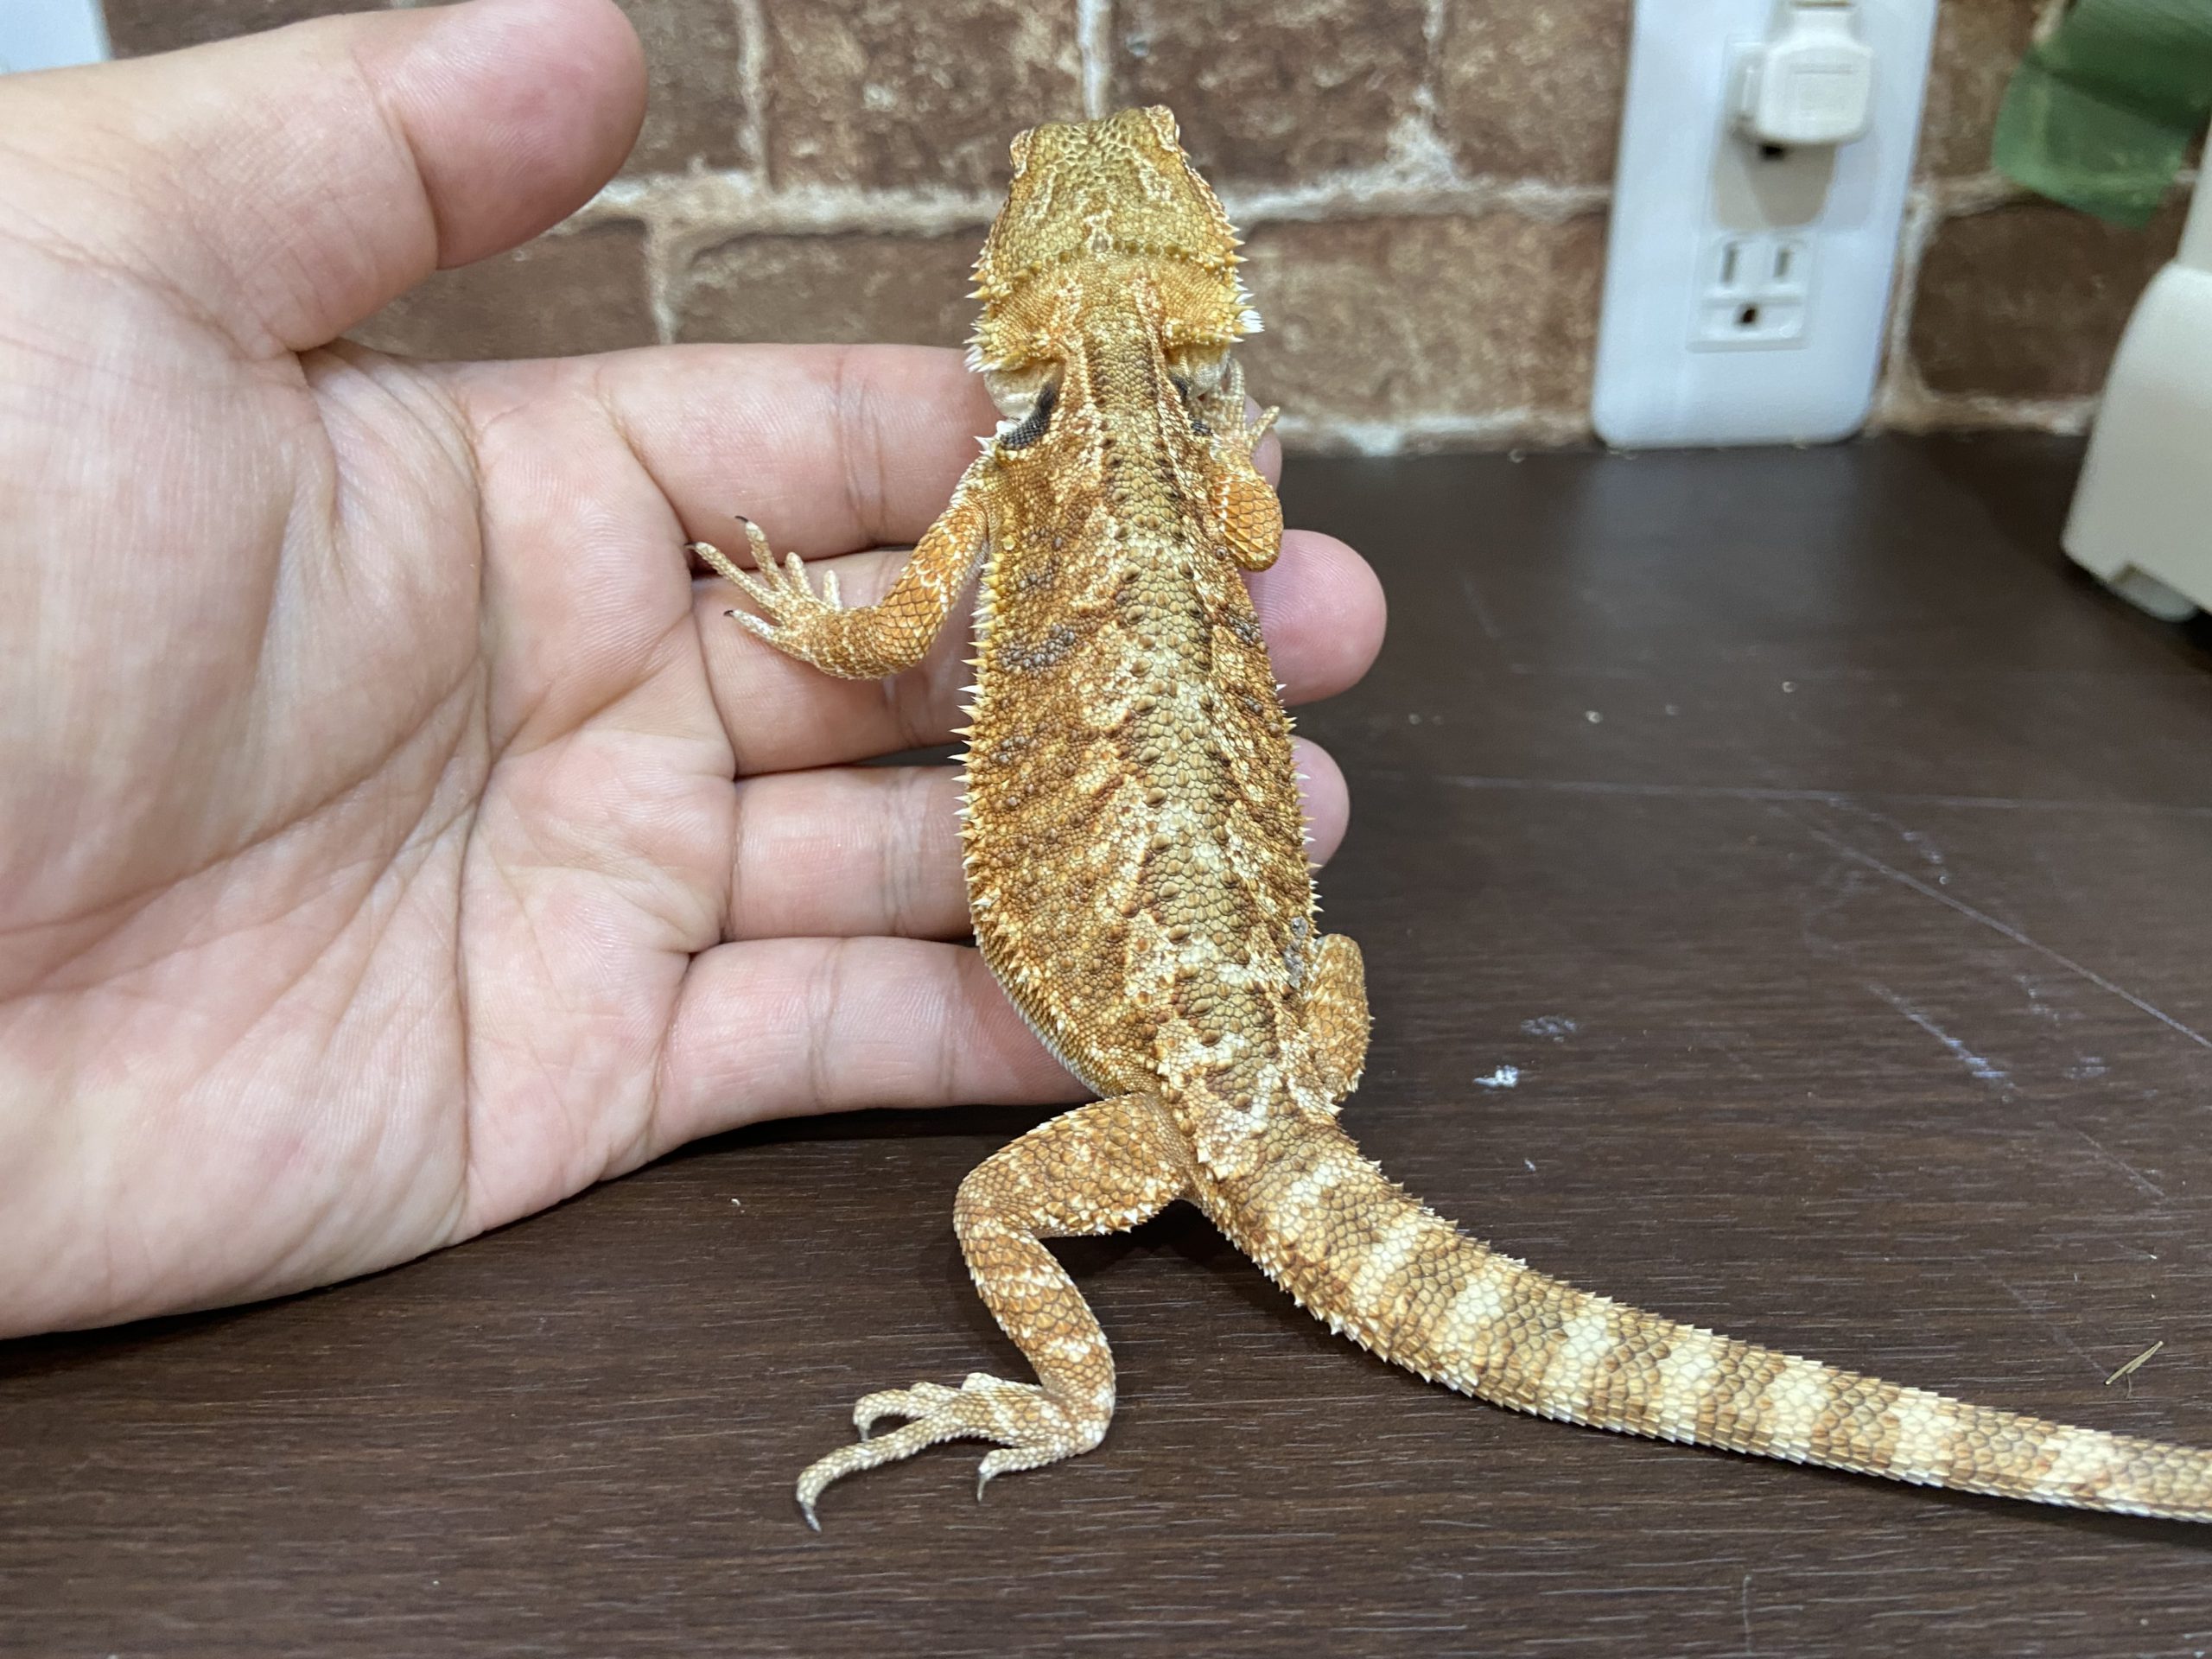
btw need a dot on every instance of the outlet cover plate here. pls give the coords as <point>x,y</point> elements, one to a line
<point>1688,187</point>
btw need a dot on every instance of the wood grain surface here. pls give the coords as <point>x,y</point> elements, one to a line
<point>1833,864</point>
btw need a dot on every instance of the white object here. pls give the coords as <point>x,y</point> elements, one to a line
<point>50,34</point>
<point>1811,84</point>
<point>1747,282</point>
<point>2142,517</point>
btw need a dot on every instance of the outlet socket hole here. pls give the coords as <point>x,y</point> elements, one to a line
<point>1747,316</point>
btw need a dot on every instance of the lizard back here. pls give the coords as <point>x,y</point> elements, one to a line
<point>1132,812</point>
<point>1133,816</point>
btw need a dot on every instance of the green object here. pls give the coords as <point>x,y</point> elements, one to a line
<point>2102,113</point>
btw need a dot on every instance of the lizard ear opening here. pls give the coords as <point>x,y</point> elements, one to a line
<point>1020,433</point>
<point>1199,368</point>
<point>1017,390</point>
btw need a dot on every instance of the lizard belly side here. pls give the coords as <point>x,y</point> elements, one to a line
<point>1136,859</point>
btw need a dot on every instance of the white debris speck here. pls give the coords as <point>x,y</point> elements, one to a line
<point>1592,715</point>
<point>1531,1164</point>
<point>1504,1078</point>
<point>1557,1027</point>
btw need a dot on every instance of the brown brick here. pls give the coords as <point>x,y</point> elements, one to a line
<point>905,290</point>
<point>894,92</point>
<point>1534,92</point>
<point>1978,44</point>
<point>565,293</point>
<point>695,109</point>
<point>2028,300</point>
<point>1387,319</point>
<point>695,104</point>
<point>136,27</point>
<point>1274,91</point>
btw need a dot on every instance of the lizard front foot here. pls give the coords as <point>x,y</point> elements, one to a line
<point>794,621</point>
<point>1029,1426</point>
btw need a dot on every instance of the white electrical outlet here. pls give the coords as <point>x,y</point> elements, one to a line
<point>1747,282</point>
<point>1755,292</point>
<point>50,34</point>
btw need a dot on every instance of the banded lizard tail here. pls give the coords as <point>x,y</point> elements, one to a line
<point>1138,881</point>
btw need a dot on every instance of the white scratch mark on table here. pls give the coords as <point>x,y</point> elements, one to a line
<point>2005,929</point>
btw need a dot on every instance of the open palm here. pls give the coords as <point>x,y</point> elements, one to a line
<point>393,839</point>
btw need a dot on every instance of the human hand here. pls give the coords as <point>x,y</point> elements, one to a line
<point>371,871</point>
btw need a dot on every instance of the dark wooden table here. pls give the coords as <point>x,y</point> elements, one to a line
<point>1834,866</point>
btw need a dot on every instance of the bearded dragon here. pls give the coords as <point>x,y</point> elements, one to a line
<point>1138,880</point>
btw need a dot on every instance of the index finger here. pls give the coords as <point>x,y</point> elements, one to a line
<point>828,449</point>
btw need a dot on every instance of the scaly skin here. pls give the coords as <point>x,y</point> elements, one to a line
<point>1137,873</point>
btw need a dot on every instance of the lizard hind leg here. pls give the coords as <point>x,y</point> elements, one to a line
<point>1336,1014</point>
<point>1102,1168</point>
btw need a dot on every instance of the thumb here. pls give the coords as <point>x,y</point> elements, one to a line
<point>289,184</point>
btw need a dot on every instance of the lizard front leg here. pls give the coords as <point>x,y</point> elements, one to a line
<point>1245,510</point>
<point>1102,1168</point>
<point>873,640</point>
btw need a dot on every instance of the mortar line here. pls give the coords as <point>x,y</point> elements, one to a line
<point>1094,22</point>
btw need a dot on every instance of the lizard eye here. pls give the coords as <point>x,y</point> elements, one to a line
<point>1021,434</point>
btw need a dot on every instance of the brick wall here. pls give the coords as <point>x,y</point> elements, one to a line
<point>1422,184</point>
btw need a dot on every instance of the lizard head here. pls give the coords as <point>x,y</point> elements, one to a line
<point>1087,197</point>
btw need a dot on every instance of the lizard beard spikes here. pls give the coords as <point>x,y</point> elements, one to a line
<point>1136,871</point>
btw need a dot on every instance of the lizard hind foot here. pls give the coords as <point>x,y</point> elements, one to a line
<point>1030,1427</point>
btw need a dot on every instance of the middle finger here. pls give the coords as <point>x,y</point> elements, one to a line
<point>1319,606</point>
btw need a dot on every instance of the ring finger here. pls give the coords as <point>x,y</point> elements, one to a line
<point>1319,606</point>
<point>845,852</point>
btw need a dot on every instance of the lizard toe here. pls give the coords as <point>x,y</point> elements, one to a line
<point>1029,1427</point>
<point>917,1401</point>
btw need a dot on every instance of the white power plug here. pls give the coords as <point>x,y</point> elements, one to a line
<point>1812,83</point>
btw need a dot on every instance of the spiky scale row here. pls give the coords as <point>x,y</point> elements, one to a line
<point>1135,855</point>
